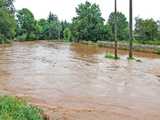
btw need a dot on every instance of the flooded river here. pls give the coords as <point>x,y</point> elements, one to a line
<point>76,82</point>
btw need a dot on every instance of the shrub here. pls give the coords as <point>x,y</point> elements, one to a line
<point>2,39</point>
<point>32,37</point>
<point>22,37</point>
<point>67,35</point>
<point>12,108</point>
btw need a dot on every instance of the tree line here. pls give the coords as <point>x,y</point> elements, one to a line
<point>87,25</point>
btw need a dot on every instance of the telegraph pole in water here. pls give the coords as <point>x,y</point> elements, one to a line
<point>115,30</point>
<point>130,29</point>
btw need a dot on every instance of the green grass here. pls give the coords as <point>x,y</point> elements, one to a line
<point>147,42</point>
<point>158,51</point>
<point>12,108</point>
<point>111,56</point>
<point>133,58</point>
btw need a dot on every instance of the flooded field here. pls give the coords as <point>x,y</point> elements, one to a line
<point>76,82</point>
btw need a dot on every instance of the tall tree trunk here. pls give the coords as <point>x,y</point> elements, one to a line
<point>130,29</point>
<point>115,31</point>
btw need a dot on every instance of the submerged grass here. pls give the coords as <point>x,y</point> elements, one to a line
<point>109,55</point>
<point>12,108</point>
<point>133,58</point>
<point>158,51</point>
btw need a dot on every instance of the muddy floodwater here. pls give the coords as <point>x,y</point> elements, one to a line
<point>76,82</point>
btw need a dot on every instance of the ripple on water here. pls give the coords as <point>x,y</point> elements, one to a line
<point>57,73</point>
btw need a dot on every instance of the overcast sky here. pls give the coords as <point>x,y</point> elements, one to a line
<point>65,9</point>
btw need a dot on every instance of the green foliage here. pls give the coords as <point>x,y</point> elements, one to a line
<point>64,25</point>
<point>12,108</point>
<point>3,4</point>
<point>54,30</point>
<point>54,27</point>
<point>134,59</point>
<point>146,29</point>
<point>22,37</point>
<point>67,35</point>
<point>52,17</point>
<point>49,29</point>
<point>43,28</point>
<point>2,39</point>
<point>122,25</point>
<point>105,33</point>
<point>88,23</point>
<point>26,23</point>
<point>147,42</point>
<point>8,4</point>
<point>131,58</point>
<point>7,23</point>
<point>32,36</point>
<point>109,55</point>
<point>158,51</point>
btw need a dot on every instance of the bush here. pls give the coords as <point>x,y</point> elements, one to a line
<point>25,37</point>
<point>2,39</point>
<point>22,37</point>
<point>67,35</point>
<point>12,108</point>
<point>32,37</point>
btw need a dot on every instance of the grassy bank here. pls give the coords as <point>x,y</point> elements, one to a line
<point>12,108</point>
<point>124,46</point>
<point>147,42</point>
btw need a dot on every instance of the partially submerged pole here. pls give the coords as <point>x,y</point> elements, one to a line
<point>115,30</point>
<point>130,29</point>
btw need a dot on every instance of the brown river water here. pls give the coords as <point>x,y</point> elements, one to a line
<point>76,82</point>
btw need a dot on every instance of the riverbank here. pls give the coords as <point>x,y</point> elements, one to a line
<point>121,45</point>
<point>124,46</point>
<point>14,108</point>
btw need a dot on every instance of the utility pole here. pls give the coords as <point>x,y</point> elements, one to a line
<point>115,30</point>
<point>130,29</point>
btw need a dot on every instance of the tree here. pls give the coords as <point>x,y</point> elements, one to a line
<point>26,23</point>
<point>8,4</point>
<point>122,26</point>
<point>51,28</point>
<point>87,24</point>
<point>158,34</point>
<point>105,33</point>
<point>52,17</point>
<point>43,29</point>
<point>146,29</point>
<point>64,25</point>
<point>54,30</point>
<point>54,27</point>
<point>67,34</point>
<point>7,23</point>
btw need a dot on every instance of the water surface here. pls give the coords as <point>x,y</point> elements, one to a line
<point>77,82</point>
